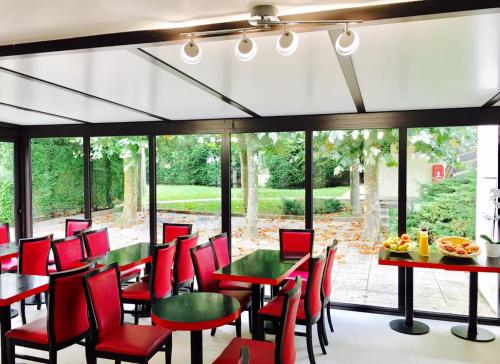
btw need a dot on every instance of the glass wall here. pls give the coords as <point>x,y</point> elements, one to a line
<point>120,188</point>
<point>268,180</point>
<point>188,177</point>
<point>450,173</point>
<point>7,204</point>
<point>57,178</point>
<point>355,199</point>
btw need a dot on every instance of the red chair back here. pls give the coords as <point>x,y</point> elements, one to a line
<point>204,266</point>
<point>285,340</point>
<point>68,252</point>
<point>96,242</point>
<point>296,243</point>
<point>183,265</point>
<point>67,315</point>
<point>4,233</point>
<point>74,225</point>
<point>331,252</point>
<point>221,250</point>
<point>103,294</point>
<point>313,297</point>
<point>34,255</point>
<point>172,231</point>
<point>161,272</point>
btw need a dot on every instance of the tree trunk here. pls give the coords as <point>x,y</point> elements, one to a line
<point>130,178</point>
<point>372,222</point>
<point>355,200</point>
<point>242,147</point>
<point>252,187</point>
<point>141,182</point>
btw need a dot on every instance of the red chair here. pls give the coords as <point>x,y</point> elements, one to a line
<point>33,260</point>
<point>66,322</point>
<point>172,231</point>
<point>204,266</point>
<point>160,285</point>
<point>297,243</point>
<point>109,337</point>
<point>8,265</point>
<point>331,252</point>
<point>222,258</point>
<point>263,352</point>
<point>183,265</point>
<point>310,307</point>
<point>76,225</point>
<point>68,252</point>
<point>97,244</point>
<point>4,233</point>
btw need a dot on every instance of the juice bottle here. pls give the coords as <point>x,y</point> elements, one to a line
<point>423,242</point>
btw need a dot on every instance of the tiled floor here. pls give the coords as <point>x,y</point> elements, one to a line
<point>358,338</point>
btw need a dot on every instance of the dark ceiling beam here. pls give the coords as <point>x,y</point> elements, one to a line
<point>385,13</point>
<point>44,113</point>
<point>191,80</point>
<point>491,102</point>
<point>347,68</point>
<point>78,92</point>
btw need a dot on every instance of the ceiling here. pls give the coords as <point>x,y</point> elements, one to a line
<point>427,64</point>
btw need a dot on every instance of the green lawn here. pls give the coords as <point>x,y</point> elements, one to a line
<point>207,199</point>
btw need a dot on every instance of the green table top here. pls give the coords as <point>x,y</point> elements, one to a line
<point>195,311</point>
<point>9,250</point>
<point>263,266</point>
<point>127,257</point>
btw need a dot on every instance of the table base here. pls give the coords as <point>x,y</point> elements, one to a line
<point>482,335</point>
<point>196,347</point>
<point>417,328</point>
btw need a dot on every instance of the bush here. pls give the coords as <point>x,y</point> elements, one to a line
<point>7,201</point>
<point>321,206</point>
<point>292,207</point>
<point>286,166</point>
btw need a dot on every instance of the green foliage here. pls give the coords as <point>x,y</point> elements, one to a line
<point>107,182</point>
<point>447,208</point>
<point>6,182</point>
<point>292,207</point>
<point>320,205</point>
<point>327,206</point>
<point>286,162</point>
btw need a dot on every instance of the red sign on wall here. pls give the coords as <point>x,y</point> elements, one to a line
<point>437,172</point>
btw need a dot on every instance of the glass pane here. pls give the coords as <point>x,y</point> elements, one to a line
<point>57,177</point>
<point>450,173</point>
<point>355,199</point>
<point>188,188</point>
<point>7,204</point>
<point>267,178</point>
<point>120,199</point>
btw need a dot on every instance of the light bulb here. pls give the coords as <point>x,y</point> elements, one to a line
<point>347,43</point>
<point>246,49</point>
<point>287,43</point>
<point>191,52</point>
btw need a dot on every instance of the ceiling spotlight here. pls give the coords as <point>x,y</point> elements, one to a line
<point>191,52</point>
<point>246,49</point>
<point>287,42</point>
<point>347,42</point>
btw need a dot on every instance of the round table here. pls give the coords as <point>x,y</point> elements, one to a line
<point>195,312</point>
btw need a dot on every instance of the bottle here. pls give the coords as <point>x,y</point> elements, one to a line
<point>423,242</point>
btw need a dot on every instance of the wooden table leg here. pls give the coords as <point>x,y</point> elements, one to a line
<point>5,326</point>
<point>196,347</point>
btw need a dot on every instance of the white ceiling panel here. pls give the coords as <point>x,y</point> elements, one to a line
<point>307,82</point>
<point>23,117</point>
<point>442,63</point>
<point>123,77</point>
<point>17,91</point>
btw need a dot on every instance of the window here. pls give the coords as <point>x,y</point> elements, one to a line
<point>188,176</point>
<point>119,188</point>
<point>57,184</point>
<point>7,205</point>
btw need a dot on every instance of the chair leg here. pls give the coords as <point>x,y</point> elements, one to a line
<point>250,320</point>
<point>191,287</point>
<point>136,315</point>
<point>118,362</point>
<point>168,350</point>
<point>23,311</point>
<point>310,351</point>
<point>323,328</point>
<point>212,332</point>
<point>38,300</point>
<point>329,317</point>
<point>321,336</point>
<point>52,357</point>
<point>11,353</point>
<point>238,327</point>
<point>89,355</point>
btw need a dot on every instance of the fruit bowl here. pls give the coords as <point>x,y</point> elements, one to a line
<point>412,248</point>
<point>458,247</point>
<point>399,245</point>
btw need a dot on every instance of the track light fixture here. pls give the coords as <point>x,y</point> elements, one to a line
<point>264,18</point>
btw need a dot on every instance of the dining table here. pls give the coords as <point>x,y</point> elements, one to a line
<point>436,260</point>
<point>261,267</point>
<point>126,257</point>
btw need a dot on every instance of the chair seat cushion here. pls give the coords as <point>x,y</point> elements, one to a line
<point>138,291</point>
<point>35,331</point>
<point>301,273</point>
<point>242,296</point>
<point>259,352</point>
<point>129,274</point>
<point>133,340</point>
<point>289,285</point>
<point>9,265</point>
<point>273,308</point>
<point>236,286</point>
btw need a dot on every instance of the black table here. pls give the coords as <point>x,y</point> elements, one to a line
<point>195,312</point>
<point>437,260</point>
<point>127,257</point>
<point>13,288</point>
<point>260,267</point>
